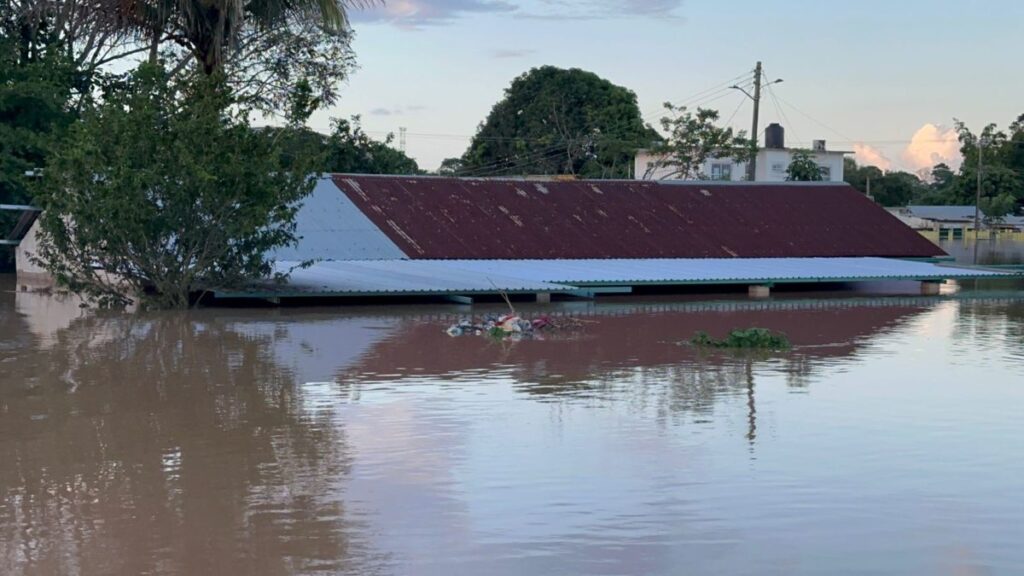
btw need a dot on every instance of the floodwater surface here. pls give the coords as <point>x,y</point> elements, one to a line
<point>365,441</point>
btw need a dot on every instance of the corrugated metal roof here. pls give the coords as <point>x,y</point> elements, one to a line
<point>715,270</point>
<point>331,227</point>
<point>438,218</point>
<point>368,277</point>
<point>960,213</point>
<point>400,277</point>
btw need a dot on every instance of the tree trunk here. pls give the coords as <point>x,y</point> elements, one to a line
<point>154,47</point>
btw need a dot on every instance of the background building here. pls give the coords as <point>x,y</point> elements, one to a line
<point>772,162</point>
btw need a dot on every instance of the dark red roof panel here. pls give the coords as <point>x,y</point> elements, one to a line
<point>442,218</point>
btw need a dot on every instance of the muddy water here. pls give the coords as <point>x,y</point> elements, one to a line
<point>368,442</point>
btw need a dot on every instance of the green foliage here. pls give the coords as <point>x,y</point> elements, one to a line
<point>451,167</point>
<point>858,176</point>
<point>1002,175</point>
<point>803,167</point>
<point>350,150</point>
<point>557,121</point>
<point>210,29</point>
<point>750,338</point>
<point>347,149</point>
<point>693,138</point>
<point>894,188</point>
<point>1002,167</point>
<point>164,190</point>
<point>36,84</point>
<point>996,208</point>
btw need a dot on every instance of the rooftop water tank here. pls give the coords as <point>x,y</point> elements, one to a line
<point>775,136</point>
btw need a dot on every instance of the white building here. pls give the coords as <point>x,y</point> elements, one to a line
<point>772,162</point>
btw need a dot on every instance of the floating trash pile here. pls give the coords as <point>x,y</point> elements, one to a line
<point>512,326</point>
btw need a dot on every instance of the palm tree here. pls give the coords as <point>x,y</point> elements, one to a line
<point>208,29</point>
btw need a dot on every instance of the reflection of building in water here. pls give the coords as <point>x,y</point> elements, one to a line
<point>629,341</point>
<point>642,348</point>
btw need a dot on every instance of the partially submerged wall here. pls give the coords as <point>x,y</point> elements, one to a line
<point>30,275</point>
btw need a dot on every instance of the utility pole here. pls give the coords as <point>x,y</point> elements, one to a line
<point>977,198</point>
<point>401,138</point>
<point>752,165</point>
<point>754,132</point>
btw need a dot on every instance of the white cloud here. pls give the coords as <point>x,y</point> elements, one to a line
<point>929,146</point>
<point>597,9</point>
<point>511,53</point>
<point>866,155</point>
<point>416,13</point>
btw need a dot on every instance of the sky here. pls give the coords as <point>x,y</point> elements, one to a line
<point>883,79</point>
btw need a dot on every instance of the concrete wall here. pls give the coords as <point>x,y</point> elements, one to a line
<point>31,276</point>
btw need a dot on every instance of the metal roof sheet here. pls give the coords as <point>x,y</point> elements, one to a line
<point>445,218</point>
<point>399,277</point>
<point>717,270</point>
<point>406,277</point>
<point>331,227</point>
<point>963,213</point>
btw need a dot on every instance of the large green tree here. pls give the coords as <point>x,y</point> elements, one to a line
<point>347,149</point>
<point>36,86</point>
<point>1002,168</point>
<point>892,188</point>
<point>264,47</point>
<point>210,29</point>
<point>557,121</point>
<point>164,190</point>
<point>692,139</point>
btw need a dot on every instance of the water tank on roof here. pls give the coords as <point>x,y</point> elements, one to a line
<point>775,136</point>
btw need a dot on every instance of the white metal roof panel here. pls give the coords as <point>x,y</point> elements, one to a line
<point>403,277</point>
<point>719,270</point>
<point>369,277</point>
<point>331,227</point>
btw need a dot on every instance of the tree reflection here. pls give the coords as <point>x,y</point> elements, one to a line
<point>167,444</point>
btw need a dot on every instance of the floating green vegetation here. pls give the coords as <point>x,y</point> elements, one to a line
<point>751,338</point>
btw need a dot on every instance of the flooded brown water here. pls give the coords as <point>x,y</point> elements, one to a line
<point>366,441</point>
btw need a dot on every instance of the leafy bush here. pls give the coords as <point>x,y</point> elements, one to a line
<point>751,338</point>
<point>165,190</point>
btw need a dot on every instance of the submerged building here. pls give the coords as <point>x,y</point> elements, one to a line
<point>398,236</point>
<point>370,236</point>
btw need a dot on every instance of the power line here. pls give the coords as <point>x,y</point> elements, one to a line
<point>736,111</point>
<point>703,93</point>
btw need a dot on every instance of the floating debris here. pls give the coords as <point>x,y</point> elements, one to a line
<point>512,326</point>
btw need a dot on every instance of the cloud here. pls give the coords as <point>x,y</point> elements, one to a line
<point>397,110</point>
<point>413,14</point>
<point>930,145</point>
<point>866,155</point>
<point>511,53</point>
<point>600,9</point>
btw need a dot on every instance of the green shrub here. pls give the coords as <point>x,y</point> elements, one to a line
<point>751,338</point>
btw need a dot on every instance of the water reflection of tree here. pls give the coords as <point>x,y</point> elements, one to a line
<point>990,320</point>
<point>166,445</point>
